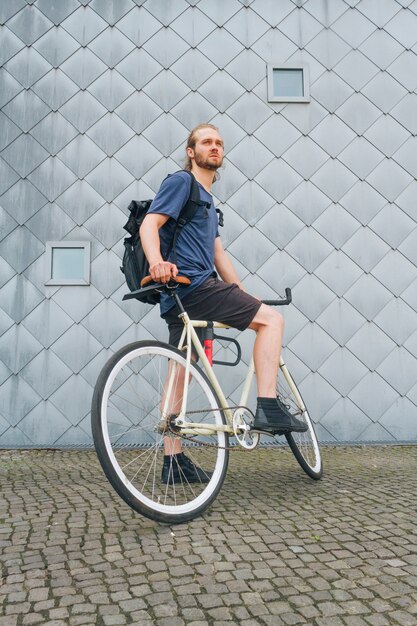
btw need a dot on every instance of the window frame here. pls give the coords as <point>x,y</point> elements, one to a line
<point>288,66</point>
<point>51,246</point>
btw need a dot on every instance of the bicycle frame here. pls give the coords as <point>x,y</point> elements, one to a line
<point>190,338</point>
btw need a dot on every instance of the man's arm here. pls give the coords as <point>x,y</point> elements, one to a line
<point>224,265</point>
<point>161,271</point>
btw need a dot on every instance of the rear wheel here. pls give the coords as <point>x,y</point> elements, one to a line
<point>135,401</point>
<point>304,446</point>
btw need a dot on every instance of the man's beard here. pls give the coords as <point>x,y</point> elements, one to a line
<point>205,163</point>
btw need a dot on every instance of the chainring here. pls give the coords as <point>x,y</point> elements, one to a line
<point>242,428</point>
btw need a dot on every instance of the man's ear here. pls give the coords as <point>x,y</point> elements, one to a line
<point>190,153</point>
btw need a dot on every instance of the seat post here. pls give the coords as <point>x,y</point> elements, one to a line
<point>178,302</point>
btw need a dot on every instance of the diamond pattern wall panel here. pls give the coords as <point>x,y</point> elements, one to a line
<point>96,100</point>
<point>55,88</point>
<point>24,155</point>
<point>56,46</point>
<point>54,132</point>
<point>27,67</point>
<point>29,24</point>
<point>8,131</point>
<point>10,44</point>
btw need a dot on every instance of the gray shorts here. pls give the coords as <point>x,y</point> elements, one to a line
<point>214,301</point>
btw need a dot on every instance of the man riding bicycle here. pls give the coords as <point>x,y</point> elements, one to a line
<point>200,256</point>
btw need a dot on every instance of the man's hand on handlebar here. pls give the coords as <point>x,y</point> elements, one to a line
<point>163,271</point>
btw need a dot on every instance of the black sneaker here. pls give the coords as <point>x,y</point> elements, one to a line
<point>178,468</point>
<point>273,417</point>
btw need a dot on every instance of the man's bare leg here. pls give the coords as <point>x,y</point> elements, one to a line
<point>172,445</point>
<point>183,470</point>
<point>271,413</point>
<point>269,327</point>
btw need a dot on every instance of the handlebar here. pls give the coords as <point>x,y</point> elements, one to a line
<point>287,300</point>
<point>172,285</point>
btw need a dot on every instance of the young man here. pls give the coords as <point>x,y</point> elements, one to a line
<point>199,252</point>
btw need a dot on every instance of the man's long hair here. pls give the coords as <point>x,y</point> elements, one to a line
<point>191,141</point>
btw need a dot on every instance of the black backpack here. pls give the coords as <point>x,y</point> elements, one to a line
<point>134,264</point>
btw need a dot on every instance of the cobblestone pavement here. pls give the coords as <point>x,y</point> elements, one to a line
<point>275,548</point>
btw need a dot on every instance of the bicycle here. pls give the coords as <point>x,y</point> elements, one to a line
<point>149,395</point>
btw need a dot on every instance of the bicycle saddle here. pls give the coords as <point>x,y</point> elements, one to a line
<point>182,280</point>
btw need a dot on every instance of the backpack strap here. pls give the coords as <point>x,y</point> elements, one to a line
<point>190,207</point>
<point>188,211</point>
<point>221,217</point>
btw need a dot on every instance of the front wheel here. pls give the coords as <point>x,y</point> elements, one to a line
<point>304,446</point>
<point>136,399</point>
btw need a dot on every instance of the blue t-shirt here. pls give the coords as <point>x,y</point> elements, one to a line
<point>195,242</point>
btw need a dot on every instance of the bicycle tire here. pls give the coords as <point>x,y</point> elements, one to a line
<point>304,446</point>
<point>125,416</point>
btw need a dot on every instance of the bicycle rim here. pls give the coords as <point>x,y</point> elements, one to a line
<point>131,395</point>
<point>304,446</point>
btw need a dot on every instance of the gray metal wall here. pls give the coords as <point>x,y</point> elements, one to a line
<point>96,101</point>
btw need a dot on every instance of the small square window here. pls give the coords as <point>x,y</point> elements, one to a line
<point>288,83</point>
<point>68,262</point>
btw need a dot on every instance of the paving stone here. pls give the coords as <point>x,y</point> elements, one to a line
<point>135,604</point>
<point>258,609</point>
<point>83,608</point>
<point>192,614</point>
<point>32,618</point>
<point>277,608</point>
<point>18,608</point>
<point>309,612</point>
<point>329,621</point>
<point>165,610</point>
<point>377,620</point>
<point>355,620</point>
<point>112,620</point>
<point>219,614</point>
<point>403,618</point>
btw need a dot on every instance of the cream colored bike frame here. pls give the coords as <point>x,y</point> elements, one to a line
<point>190,338</point>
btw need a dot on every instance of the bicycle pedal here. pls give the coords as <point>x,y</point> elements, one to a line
<point>262,432</point>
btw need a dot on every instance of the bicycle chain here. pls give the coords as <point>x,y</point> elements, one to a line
<point>211,445</point>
